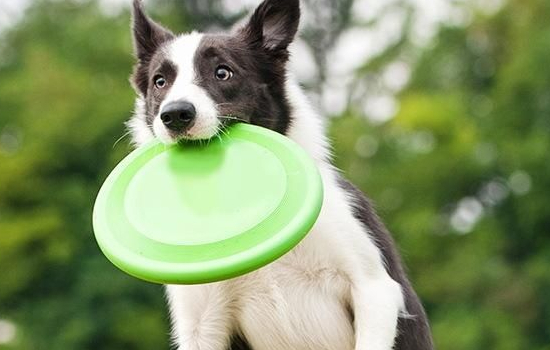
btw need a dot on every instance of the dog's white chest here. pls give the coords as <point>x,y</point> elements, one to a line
<point>292,305</point>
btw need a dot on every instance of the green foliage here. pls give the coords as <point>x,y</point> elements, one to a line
<point>64,96</point>
<point>473,127</point>
<point>460,176</point>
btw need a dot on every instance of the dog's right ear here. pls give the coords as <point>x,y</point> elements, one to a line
<point>148,35</point>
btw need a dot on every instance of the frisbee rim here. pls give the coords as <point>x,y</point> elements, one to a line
<point>225,267</point>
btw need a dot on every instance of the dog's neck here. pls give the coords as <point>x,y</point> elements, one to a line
<point>307,127</point>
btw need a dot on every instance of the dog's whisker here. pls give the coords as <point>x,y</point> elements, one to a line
<point>233,118</point>
<point>224,131</point>
<point>224,104</point>
<point>126,134</point>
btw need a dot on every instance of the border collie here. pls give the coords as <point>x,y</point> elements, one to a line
<point>343,287</point>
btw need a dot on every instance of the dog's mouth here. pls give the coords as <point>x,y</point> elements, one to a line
<point>202,134</point>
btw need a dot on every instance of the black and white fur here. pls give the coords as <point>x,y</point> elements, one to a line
<point>343,287</point>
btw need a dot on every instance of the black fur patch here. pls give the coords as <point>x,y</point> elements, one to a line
<point>258,56</point>
<point>159,66</point>
<point>238,343</point>
<point>256,93</point>
<point>413,333</point>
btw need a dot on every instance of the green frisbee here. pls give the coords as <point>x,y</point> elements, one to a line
<point>192,213</point>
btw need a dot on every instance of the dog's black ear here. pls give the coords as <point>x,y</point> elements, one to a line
<point>148,35</point>
<point>273,25</point>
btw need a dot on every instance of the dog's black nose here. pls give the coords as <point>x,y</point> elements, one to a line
<point>178,116</point>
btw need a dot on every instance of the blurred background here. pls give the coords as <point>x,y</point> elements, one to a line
<point>439,110</point>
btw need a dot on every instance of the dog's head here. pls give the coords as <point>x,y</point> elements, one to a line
<point>190,86</point>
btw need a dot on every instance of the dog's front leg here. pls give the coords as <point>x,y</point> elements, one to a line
<point>201,316</point>
<point>376,303</point>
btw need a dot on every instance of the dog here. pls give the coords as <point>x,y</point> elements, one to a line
<point>344,286</point>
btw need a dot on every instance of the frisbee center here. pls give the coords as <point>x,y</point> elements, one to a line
<point>201,195</point>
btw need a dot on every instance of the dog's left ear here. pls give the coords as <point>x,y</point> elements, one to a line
<point>273,25</point>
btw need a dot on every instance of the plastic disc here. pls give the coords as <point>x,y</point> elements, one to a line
<point>192,213</point>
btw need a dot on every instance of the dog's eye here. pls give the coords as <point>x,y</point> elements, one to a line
<point>224,73</point>
<point>160,82</point>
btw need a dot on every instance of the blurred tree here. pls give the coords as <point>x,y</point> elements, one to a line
<point>63,99</point>
<point>461,176</point>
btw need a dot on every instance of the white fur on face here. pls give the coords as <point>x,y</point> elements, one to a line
<point>141,133</point>
<point>182,53</point>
